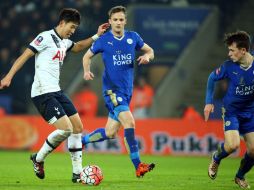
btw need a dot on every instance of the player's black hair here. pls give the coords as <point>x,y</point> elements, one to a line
<point>70,15</point>
<point>117,9</point>
<point>241,38</point>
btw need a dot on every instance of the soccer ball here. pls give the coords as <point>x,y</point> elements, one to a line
<point>91,175</point>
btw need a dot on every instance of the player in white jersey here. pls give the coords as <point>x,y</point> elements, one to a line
<point>56,108</point>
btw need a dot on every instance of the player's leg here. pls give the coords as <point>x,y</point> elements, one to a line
<point>75,147</point>
<point>247,162</point>
<point>63,131</point>
<point>101,134</point>
<point>74,140</point>
<point>127,120</point>
<point>232,142</point>
<point>53,113</point>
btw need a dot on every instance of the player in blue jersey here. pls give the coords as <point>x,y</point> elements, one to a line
<point>118,48</point>
<point>238,109</point>
<point>49,49</point>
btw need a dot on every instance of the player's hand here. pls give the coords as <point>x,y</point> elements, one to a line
<point>144,59</point>
<point>5,82</point>
<point>88,75</point>
<point>102,28</point>
<point>209,108</point>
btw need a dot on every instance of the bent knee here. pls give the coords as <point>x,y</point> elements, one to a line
<point>111,134</point>
<point>78,129</point>
<point>233,147</point>
<point>67,132</point>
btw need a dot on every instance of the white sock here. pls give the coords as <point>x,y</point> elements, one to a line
<point>54,140</point>
<point>75,148</point>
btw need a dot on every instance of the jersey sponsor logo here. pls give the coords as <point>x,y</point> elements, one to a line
<point>38,40</point>
<point>60,54</point>
<point>244,90</point>
<point>129,41</point>
<point>122,59</point>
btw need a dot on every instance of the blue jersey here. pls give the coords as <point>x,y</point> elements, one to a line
<point>118,55</point>
<point>239,98</point>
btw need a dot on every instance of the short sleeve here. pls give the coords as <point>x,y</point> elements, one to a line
<point>139,41</point>
<point>96,47</point>
<point>220,72</point>
<point>38,44</point>
<point>70,44</point>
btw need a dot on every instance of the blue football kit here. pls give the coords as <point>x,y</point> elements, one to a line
<point>238,103</point>
<point>118,56</point>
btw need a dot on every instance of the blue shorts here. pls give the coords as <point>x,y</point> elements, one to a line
<point>242,124</point>
<point>53,106</point>
<point>116,102</point>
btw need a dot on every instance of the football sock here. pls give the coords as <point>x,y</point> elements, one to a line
<point>75,149</point>
<point>96,136</point>
<point>54,140</point>
<point>220,154</point>
<point>132,146</point>
<point>246,164</point>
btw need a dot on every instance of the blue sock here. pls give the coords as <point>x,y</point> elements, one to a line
<point>96,136</point>
<point>132,146</point>
<point>220,153</point>
<point>246,164</point>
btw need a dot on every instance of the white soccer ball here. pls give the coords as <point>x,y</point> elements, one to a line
<point>91,175</point>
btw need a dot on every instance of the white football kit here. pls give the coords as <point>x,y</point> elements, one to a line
<point>50,50</point>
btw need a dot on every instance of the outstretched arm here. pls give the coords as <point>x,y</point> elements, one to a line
<point>6,81</point>
<point>88,75</point>
<point>147,56</point>
<point>209,107</point>
<point>83,44</point>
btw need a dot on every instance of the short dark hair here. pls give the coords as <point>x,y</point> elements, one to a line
<point>70,15</point>
<point>117,9</point>
<point>241,38</point>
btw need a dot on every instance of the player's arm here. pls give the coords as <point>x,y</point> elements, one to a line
<point>6,81</point>
<point>88,75</point>
<point>147,56</point>
<point>209,107</point>
<point>83,44</point>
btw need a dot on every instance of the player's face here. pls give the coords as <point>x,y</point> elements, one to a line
<point>67,29</point>
<point>117,22</point>
<point>234,53</point>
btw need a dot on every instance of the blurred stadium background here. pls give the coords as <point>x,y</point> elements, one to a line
<point>187,38</point>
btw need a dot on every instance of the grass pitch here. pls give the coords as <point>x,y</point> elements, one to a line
<point>176,173</point>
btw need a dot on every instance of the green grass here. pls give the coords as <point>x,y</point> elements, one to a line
<point>176,173</point>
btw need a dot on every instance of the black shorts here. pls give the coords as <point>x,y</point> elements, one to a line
<point>53,106</point>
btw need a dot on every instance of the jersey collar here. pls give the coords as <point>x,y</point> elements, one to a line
<point>246,68</point>
<point>57,34</point>
<point>117,38</point>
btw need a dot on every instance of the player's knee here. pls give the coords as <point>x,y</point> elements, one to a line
<point>111,133</point>
<point>78,129</point>
<point>233,147</point>
<point>130,124</point>
<point>67,132</point>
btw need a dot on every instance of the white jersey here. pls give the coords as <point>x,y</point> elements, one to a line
<point>50,50</point>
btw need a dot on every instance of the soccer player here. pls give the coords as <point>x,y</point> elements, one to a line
<point>238,118</point>
<point>118,48</point>
<point>50,48</point>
